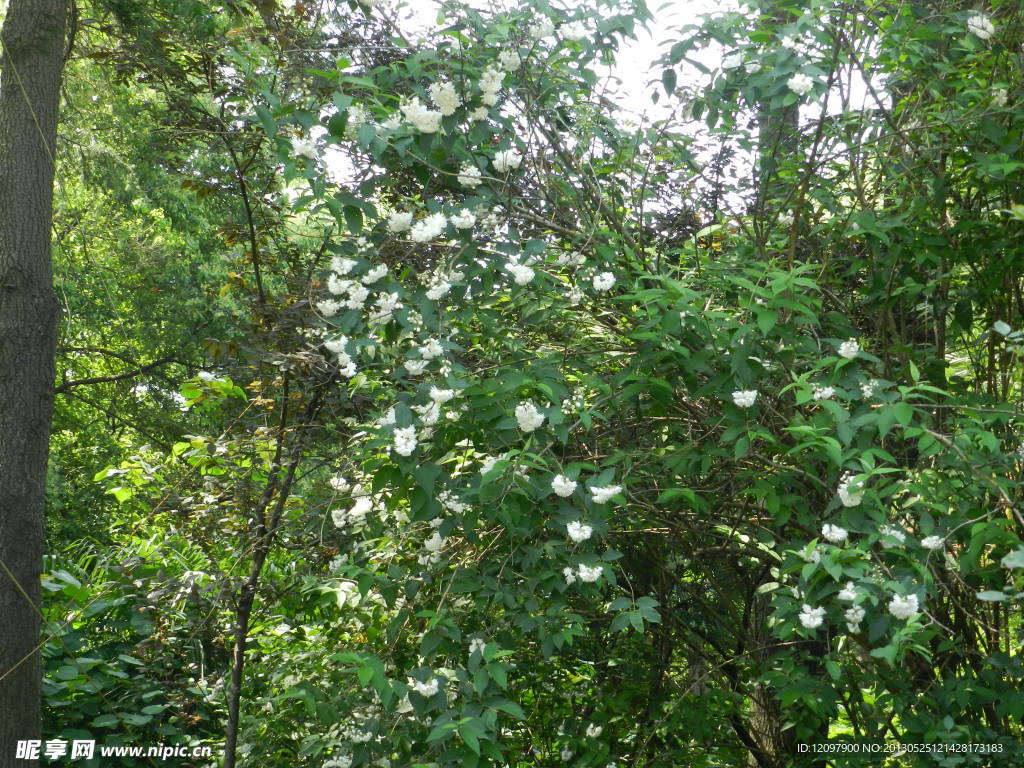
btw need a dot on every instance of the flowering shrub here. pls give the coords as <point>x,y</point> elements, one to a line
<point>616,489</point>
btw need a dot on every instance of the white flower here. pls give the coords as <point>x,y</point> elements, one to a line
<point>387,419</point>
<point>425,689</point>
<point>732,61</point>
<point>867,391</point>
<point>848,593</point>
<point>890,533</point>
<point>469,176</point>
<point>438,289</point>
<point>589,574</point>
<point>429,413</point>
<point>476,644</point>
<point>903,607</point>
<point>570,259</point>
<point>824,393</point>
<point>431,348</point>
<point>753,67</point>
<point>594,730</point>
<point>490,83</point>
<point>602,495</point>
<point>744,398</point>
<point>304,148</point>
<point>426,230</point>
<point>854,616</point>
<point>566,754</point>
<point>563,486</point>
<point>603,281</point>
<point>374,274</point>
<point>441,395</point>
<point>800,84</point>
<point>510,60</point>
<point>342,266</point>
<point>405,441</point>
<point>506,160</point>
<point>979,25</point>
<point>932,542</point>
<point>338,484</point>
<point>570,575</point>
<point>328,307</point>
<point>399,221</point>
<point>463,219</point>
<point>834,533</point>
<point>541,28</point>
<point>521,273</point>
<point>480,113</point>
<point>435,543</point>
<point>357,295</point>
<point>528,416</point>
<point>423,119</point>
<point>574,30</point>
<point>849,349</point>
<point>999,97</point>
<point>415,367</point>
<point>579,532</point>
<point>790,42</point>
<point>849,495</point>
<point>341,761</point>
<point>445,97</point>
<point>812,618</point>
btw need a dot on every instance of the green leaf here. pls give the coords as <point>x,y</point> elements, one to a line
<point>992,596</point>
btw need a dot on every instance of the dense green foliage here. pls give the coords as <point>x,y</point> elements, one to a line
<point>506,430</point>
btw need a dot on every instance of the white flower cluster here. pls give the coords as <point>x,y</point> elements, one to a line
<point>867,390</point>
<point>834,533</point>
<point>585,573</point>
<point>903,607</point>
<point>979,25</point>
<point>362,504</point>
<point>428,228</point>
<point>429,688</point>
<point>800,84</point>
<point>346,365</point>
<point>304,148</point>
<point>491,80</point>
<point>812,618</point>
<point>744,398</point>
<point>604,495</point>
<point>476,644</point>
<point>463,220</point>
<point>824,393</point>
<point>399,221</point>
<point>574,30</point>
<point>854,615</point>
<point>528,416</point>
<point>849,349</point>
<point>521,273</point>
<point>507,160</point>
<point>850,493</point>
<point>932,542</point>
<point>469,176</point>
<point>848,593</point>
<point>423,119</point>
<point>570,259</point>
<point>405,440</point>
<point>579,532</point>
<point>510,60</point>
<point>563,486</point>
<point>542,27</point>
<point>445,97</point>
<point>603,281</point>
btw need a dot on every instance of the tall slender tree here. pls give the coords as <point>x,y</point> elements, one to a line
<point>30,71</point>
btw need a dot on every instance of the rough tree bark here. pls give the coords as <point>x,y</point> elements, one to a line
<point>30,71</point>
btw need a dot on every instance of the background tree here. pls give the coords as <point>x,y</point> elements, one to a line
<point>33,38</point>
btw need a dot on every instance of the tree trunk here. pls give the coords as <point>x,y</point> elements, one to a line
<point>30,70</point>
